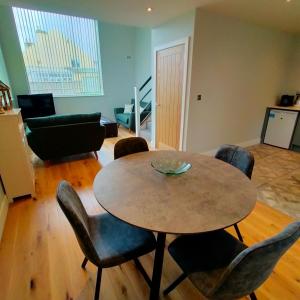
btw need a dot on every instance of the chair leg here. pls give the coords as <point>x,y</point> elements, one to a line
<point>253,296</point>
<point>142,270</point>
<point>173,285</point>
<point>238,232</point>
<point>96,154</point>
<point>84,263</point>
<point>98,284</point>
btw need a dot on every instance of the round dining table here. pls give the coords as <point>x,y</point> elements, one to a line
<point>211,195</point>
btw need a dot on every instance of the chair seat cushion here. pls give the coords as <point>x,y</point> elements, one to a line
<point>117,242</point>
<point>204,257</point>
<point>206,251</point>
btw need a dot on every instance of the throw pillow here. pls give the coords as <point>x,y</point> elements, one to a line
<point>128,108</point>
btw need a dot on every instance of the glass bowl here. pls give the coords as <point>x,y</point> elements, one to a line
<point>170,166</point>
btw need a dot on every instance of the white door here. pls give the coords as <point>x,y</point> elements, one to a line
<point>169,101</point>
<point>169,88</point>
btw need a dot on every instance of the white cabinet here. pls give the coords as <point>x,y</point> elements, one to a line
<point>16,170</point>
<point>280,128</point>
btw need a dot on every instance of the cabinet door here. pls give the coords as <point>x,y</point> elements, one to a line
<point>16,175</point>
<point>15,167</point>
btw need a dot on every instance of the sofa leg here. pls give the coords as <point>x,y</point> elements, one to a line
<point>96,154</point>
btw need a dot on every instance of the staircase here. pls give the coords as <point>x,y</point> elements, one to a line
<point>145,93</point>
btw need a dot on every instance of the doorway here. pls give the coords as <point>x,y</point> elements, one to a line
<point>170,87</point>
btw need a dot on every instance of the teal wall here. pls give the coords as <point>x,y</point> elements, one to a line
<point>11,52</point>
<point>118,50</point>
<point>4,78</point>
<point>143,57</point>
<point>117,54</point>
<point>175,29</point>
<point>3,72</point>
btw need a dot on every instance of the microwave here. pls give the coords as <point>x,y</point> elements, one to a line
<point>287,100</point>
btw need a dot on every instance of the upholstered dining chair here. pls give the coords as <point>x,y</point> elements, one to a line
<point>130,146</point>
<point>105,241</point>
<point>240,158</point>
<point>222,267</point>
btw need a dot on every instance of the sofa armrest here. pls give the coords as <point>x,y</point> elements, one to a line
<point>119,110</point>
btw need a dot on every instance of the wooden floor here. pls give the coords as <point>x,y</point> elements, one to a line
<point>40,257</point>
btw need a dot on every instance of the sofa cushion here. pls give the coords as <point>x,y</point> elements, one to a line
<point>128,108</point>
<point>124,118</point>
<point>57,120</point>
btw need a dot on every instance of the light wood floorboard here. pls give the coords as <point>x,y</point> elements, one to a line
<point>40,257</point>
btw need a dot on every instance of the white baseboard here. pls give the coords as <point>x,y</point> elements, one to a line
<point>3,213</point>
<point>249,143</point>
<point>241,144</point>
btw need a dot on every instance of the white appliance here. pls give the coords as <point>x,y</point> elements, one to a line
<point>280,128</point>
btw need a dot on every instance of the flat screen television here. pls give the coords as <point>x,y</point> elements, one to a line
<point>37,105</point>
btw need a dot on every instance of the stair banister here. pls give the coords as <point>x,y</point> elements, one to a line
<point>137,112</point>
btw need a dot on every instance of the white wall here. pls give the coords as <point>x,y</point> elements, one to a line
<point>292,83</point>
<point>175,29</point>
<point>238,68</point>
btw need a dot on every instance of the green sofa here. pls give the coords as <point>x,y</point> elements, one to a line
<point>62,135</point>
<point>127,120</point>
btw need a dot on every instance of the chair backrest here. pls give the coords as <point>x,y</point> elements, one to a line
<point>129,146</point>
<point>255,264</point>
<point>237,157</point>
<point>73,209</point>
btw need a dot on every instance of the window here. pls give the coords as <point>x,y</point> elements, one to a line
<point>61,53</point>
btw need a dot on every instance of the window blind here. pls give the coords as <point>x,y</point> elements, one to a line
<point>61,53</point>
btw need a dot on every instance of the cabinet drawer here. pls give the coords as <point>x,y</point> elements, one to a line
<point>11,134</point>
<point>16,172</point>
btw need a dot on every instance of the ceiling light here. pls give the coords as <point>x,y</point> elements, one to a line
<point>288,0</point>
<point>149,9</point>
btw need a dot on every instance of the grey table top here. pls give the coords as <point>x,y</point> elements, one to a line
<point>210,196</point>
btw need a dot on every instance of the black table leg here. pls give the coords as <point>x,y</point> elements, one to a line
<point>158,264</point>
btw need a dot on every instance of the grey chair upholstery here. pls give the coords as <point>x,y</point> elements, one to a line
<point>129,146</point>
<point>240,158</point>
<point>222,267</point>
<point>105,240</point>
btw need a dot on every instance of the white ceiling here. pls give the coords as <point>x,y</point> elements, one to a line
<point>278,14</point>
<point>128,12</point>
